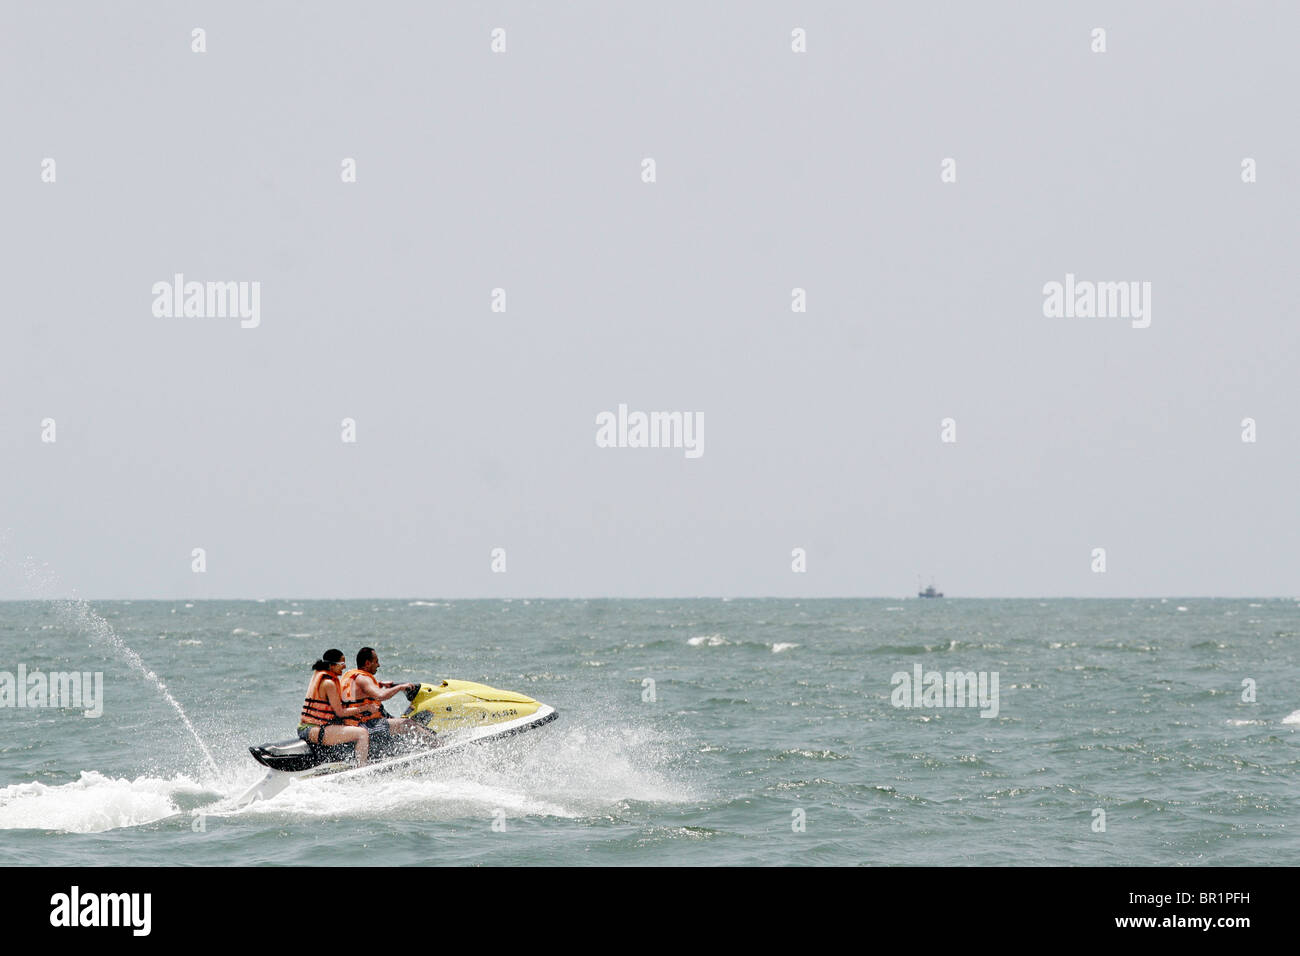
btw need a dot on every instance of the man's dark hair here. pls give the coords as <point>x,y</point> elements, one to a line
<point>364,655</point>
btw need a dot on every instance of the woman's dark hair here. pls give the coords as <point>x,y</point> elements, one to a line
<point>328,659</point>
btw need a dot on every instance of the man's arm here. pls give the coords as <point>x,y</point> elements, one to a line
<point>367,687</point>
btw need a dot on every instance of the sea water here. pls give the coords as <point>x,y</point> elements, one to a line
<point>691,732</point>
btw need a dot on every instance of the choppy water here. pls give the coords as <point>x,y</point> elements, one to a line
<point>767,713</point>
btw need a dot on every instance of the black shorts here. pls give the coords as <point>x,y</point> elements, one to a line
<point>377,726</point>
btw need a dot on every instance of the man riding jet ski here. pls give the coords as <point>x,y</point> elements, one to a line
<point>360,688</point>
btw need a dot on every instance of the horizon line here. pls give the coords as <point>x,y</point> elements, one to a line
<point>695,597</point>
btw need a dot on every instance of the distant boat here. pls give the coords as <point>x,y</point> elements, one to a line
<point>929,592</point>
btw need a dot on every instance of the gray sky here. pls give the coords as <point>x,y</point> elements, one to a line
<point>775,170</point>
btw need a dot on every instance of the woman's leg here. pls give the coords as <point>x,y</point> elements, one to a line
<point>338,734</point>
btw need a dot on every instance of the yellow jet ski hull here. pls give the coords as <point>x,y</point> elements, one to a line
<point>453,705</point>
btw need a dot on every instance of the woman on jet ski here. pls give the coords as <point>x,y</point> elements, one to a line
<point>323,712</point>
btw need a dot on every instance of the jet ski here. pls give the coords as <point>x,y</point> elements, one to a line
<point>459,712</point>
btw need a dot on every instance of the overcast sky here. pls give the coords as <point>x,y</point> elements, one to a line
<point>774,170</point>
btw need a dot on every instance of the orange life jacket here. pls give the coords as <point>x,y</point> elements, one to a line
<point>316,708</point>
<point>348,689</point>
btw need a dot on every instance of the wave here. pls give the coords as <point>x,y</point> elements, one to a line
<point>95,803</point>
<point>709,640</point>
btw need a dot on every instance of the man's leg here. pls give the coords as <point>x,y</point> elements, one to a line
<point>402,725</point>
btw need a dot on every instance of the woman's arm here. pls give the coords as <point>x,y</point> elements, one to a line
<point>336,702</point>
